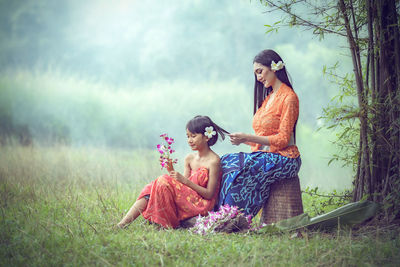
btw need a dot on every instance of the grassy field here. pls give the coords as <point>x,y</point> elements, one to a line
<point>59,206</point>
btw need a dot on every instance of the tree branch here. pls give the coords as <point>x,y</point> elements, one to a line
<point>302,22</point>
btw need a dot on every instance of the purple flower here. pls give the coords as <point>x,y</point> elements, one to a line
<point>166,151</point>
<point>216,220</point>
<point>249,219</point>
<point>160,148</point>
<point>170,141</point>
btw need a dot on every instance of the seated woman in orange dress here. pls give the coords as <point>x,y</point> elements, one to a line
<point>174,197</point>
<point>247,177</point>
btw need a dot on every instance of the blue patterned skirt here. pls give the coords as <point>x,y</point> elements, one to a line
<point>247,177</point>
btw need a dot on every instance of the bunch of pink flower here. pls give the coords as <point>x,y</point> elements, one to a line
<point>166,150</point>
<point>226,219</point>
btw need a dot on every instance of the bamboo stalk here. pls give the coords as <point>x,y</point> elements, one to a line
<point>361,101</point>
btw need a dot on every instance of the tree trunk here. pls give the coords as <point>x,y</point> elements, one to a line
<point>365,164</point>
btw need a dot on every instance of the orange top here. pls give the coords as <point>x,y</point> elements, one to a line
<point>277,122</point>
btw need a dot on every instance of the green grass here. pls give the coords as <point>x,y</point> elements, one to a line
<point>59,206</point>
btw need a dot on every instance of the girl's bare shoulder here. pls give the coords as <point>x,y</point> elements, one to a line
<point>214,159</point>
<point>189,158</point>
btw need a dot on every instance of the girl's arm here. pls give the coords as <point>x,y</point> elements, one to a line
<point>213,180</point>
<point>187,169</point>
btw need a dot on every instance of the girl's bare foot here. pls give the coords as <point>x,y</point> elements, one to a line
<point>121,225</point>
<point>136,209</point>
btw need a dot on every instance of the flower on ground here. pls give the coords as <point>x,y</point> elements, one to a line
<point>226,219</point>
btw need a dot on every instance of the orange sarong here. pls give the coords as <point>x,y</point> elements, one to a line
<point>171,201</point>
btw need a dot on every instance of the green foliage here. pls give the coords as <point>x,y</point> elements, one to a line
<point>59,207</point>
<point>342,116</point>
<point>318,16</point>
<point>317,202</point>
<point>273,28</point>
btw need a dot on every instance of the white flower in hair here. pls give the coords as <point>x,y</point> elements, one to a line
<point>209,132</point>
<point>277,66</point>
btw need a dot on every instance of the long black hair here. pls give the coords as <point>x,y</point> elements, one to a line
<point>198,125</point>
<point>265,58</point>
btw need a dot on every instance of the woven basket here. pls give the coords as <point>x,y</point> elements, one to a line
<point>284,201</point>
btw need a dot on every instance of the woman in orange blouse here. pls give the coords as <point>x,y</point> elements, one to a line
<point>247,177</point>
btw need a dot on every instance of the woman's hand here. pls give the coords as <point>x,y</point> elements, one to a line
<point>237,138</point>
<point>176,175</point>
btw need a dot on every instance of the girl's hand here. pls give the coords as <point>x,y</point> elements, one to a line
<point>169,166</point>
<point>237,138</point>
<point>176,175</point>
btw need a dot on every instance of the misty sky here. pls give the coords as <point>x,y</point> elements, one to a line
<point>144,54</point>
<point>135,43</point>
<point>138,42</point>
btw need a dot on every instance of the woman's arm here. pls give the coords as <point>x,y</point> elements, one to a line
<point>213,179</point>
<point>289,116</point>
<point>248,139</point>
<point>290,113</point>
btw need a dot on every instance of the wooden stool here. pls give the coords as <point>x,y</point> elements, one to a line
<point>284,201</point>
